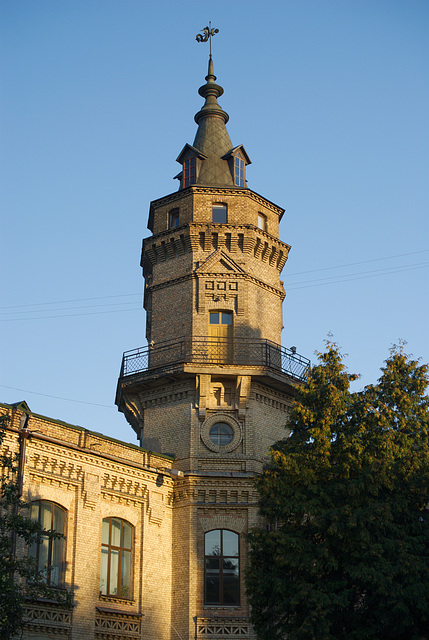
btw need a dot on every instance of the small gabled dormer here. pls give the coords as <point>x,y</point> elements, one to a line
<point>237,160</point>
<point>190,158</point>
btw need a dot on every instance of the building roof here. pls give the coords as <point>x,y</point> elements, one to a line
<point>212,144</point>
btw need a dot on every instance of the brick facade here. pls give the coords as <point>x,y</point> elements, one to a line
<point>213,298</point>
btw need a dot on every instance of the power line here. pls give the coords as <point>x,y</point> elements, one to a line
<point>38,304</point>
<point>353,264</point>
<point>350,277</point>
<point>46,395</point>
<point>70,315</point>
<point>86,306</point>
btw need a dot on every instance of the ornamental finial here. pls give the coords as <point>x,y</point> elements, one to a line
<point>207,34</point>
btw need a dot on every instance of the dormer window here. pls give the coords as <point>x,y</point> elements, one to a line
<point>189,171</point>
<point>173,218</point>
<point>239,171</point>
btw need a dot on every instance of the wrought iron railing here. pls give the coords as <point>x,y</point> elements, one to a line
<point>206,350</point>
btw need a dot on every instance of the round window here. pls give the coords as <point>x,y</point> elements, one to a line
<point>221,433</point>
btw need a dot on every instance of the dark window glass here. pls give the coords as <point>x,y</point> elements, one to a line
<point>239,171</point>
<point>222,569</point>
<point>115,568</point>
<point>219,213</point>
<point>49,553</point>
<point>221,433</point>
<point>173,219</point>
<point>189,171</point>
<point>214,317</point>
<point>226,317</point>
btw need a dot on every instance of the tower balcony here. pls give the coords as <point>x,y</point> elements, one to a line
<point>205,352</point>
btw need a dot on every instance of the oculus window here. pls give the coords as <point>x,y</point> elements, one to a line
<point>219,213</point>
<point>115,568</point>
<point>49,552</point>
<point>189,171</point>
<point>222,568</point>
<point>239,171</point>
<point>221,434</point>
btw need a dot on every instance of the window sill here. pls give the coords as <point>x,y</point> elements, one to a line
<point>117,600</point>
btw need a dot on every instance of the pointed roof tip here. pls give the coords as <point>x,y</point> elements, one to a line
<point>211,92</point>
<point>210,73</point>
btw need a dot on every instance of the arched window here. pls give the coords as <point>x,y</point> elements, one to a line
<point>222,567</point>
<point>116,547</point>
<point>49,552</point>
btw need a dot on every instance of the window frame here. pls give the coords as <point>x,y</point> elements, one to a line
<point>221,557</point>
<point>189,171</point>
<point>119,550</point>
<point>54,543</point>
<point>239,171</point>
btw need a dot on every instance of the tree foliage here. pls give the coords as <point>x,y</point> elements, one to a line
<point>19,577</point>
<point>346,550</point>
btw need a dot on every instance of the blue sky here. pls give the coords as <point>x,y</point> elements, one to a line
<point>330,100</point>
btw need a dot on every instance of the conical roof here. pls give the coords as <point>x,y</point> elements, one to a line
<point>212,143</point>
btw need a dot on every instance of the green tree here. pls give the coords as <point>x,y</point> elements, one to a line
<point>19,577</point>
<point>345,553</point>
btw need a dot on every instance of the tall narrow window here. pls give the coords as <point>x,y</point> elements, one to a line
<point>115,569</point>
<point>222,567</point>
<point>239,171</point>
<point>219,213</point>
<point>262,221</point>
<point>49,552</point>
<point>189,171</point>
<point>173,218</point>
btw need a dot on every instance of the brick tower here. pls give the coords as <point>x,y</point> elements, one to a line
<point>213,386</point>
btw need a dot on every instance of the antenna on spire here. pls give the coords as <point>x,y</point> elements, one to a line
<point>207,34</point>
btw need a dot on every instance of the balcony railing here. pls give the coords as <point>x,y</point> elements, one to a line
<point>206,350</point>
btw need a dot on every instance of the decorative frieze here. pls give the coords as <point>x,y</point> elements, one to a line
<point>217,627</point>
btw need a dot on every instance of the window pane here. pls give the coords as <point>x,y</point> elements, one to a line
<point>105,531</point>
<point>214,317</point>
<point>57,561</point>
<point>230,543</point>
<point>46,515</point>
<point>226,317</point>
<point>231,583</point>
<point>59,517</point>
<point>212,542</point>
<point>103,570</point>
<point>126,535</point>
<point>126,574</point>
<point>115,533</point>
<point>35,511</point>
<point>114,565</point>
<point>219,213</point>
<point>212,589</point>
<point>212,580</point>
<point>43,555</point>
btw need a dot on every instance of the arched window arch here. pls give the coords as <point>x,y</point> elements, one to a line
<point>222,567</point>
<point>116,558</point>
<point>49,551</point>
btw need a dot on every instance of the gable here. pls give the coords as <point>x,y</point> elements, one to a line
<point>219,262</point>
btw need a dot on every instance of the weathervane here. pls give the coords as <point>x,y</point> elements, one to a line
<point>208,33</point>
